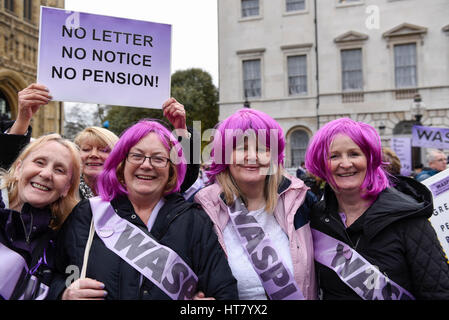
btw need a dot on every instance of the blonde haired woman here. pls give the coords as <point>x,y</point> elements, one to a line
<point>95,145</point>
<point>38,192</point>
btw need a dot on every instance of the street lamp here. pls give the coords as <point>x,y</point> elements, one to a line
<point>382,128</point>
<point>246,104</point>
<point>417,108</point>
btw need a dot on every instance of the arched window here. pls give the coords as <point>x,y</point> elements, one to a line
<point>299,139</point>
<point>404,127</point>
<point>5,109</point>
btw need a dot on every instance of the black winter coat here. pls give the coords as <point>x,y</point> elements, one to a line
<point>395,235</point>
<point>11,144</point>
<point>180,225</point>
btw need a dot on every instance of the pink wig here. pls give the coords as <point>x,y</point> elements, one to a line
<point>108,183</point>
<point>368,140</point>
<point>230,130</point>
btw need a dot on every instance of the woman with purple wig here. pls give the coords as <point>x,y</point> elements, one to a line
<point>371,241</point>
<point>260,214</point>
<point>139,239</point>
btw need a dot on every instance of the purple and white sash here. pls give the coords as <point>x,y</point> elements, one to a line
<point>14,275</point>
<point>160,264</point>
<point>276,278</point>
<point>354,270</point>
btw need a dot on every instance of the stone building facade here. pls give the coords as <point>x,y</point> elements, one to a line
<point>19,37</point>
<point>307,62</point>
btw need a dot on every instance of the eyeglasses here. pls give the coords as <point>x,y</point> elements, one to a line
<point>155,161</point>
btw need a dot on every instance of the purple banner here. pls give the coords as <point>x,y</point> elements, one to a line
<point>430,137</point>
<point>158,263</point>
<point>277,280</point>
<point>440,187</point>
<point>361,276</point>
<point>100,59</point>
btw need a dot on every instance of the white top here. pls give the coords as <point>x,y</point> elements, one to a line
<point>248,282</point>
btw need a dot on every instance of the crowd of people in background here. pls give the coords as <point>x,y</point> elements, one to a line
<point>128,217</point>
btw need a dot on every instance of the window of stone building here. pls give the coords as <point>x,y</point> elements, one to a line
<point>295,5</point>
<point>5,110</point>
<point>299,139</point>
<point>351,70</point>
<point>9,5</point>
<point>27,10</point>
<point>250,8</point>
<point>405,65</point>
<point>297,74</point>
<point>252,82</point>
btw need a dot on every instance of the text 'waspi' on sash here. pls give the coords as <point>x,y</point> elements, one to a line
<point>158,263</point>
<point>276,278</point>
<point>355,271</point>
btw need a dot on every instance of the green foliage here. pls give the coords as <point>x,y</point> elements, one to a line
<point>193,88</point>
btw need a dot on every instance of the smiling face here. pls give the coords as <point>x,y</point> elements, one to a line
<point>250,164</point>
<point>93,155</point>
<point>144,180</point>
<point>44,175</point>
<point>347,164</point>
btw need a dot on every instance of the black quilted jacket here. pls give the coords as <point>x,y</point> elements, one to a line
<point>395,235</point>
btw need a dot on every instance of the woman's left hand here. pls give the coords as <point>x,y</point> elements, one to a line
<point>201,296</point>
<point>175,113</point>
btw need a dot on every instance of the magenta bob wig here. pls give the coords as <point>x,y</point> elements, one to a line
<point>108,183</point>
<point>230,130</point>
<point>368,140</point>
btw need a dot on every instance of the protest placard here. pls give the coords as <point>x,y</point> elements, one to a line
<point>101,59</point>
<point>430,137</point>
<point>403,149</point>
<point>439,186</point>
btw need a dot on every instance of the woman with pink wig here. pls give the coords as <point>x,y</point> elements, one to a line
<point>260,213</point>
<point>371,240</point>
<point>140,239</point>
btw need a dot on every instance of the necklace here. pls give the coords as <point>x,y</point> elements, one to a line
<point>27,235</point>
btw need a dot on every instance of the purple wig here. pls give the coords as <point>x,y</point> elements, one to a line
<point>238,125</point>
<point>108,183</point>
<point>368,140</point>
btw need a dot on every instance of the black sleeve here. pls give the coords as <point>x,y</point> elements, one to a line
<point>70,250</point>
<point>211,265</point>
<point>302,216</point>
<point>426,260</point>
<point>192,149</point>
<point>11,144</point>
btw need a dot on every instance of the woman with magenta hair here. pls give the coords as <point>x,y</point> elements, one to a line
<point>139,239</point>
<point>261,215</point>
<point>371,241</point>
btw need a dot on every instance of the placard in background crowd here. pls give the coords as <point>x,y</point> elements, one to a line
<point>402,147</point>
<point>430,137</point>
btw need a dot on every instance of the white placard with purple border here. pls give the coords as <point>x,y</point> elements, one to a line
<point>439,186</point>
<point>403,149</point>
<point>101,59</point>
